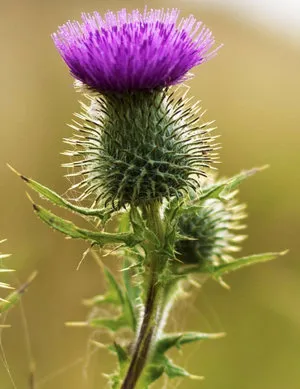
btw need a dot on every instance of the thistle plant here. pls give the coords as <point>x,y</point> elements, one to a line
<point>143,155</point>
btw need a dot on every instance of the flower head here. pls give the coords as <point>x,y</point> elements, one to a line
<point>133,51</point>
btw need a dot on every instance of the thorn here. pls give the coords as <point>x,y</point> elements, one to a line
<point>83,257</point>
<point>12,169</point>
<point>113,250</point>
<point>284,252</point>
<point>30,198</point>
<point>195,283</point>
<point>218,335</point>
<point>3,300</point>
<point>261,168</point>
<point>223,284</point>
<point>23,287</point>
<point>196,377</point>
<point>36,208</point>
<point>4,256</point>
<point>6,270</point>
<point>76,324</point>
<point>98,344</point>
<point>17,173</point>
<point>6,286</point>
<point>32,277</point>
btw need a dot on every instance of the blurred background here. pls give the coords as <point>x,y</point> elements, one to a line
<point>252,89</point>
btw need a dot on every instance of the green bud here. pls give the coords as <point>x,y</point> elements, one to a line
<point>211,232</point>
<point>138,147</point>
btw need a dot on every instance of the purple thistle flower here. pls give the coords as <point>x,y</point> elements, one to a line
<point>133,51</point>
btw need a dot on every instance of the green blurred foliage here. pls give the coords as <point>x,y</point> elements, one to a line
<point>252,90</point>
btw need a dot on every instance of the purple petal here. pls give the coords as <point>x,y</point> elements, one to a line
<point>133,51</point>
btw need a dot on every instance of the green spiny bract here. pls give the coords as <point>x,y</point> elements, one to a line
<point>211,232</point>
<point>138,147</point>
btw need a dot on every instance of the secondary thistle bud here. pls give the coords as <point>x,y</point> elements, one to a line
<point>211,232</point>
<point>136,147</point>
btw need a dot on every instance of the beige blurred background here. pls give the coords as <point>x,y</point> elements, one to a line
<point>252,90</point>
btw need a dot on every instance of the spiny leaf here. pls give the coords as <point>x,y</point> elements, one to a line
<point>175,371</point>
<point>70,229</point>
<point>132,294</point>
<point>221,189</point>
<point>121,353</point>
<point>235,181</point>
<point>160,364</point>
<point>15,296</point>
<point>220,270</point>
<point>178,339</point>
<point>164,365</point>
<point>113,324</point>
<point>114,294</point>
<point>56,199</point>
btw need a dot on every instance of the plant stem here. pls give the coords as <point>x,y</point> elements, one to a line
<point>148,329</point>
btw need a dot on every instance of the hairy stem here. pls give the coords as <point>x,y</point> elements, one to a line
<point>148,329</point>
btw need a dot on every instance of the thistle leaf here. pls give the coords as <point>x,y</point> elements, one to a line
<point>221,189</point>
<point>70,229</point>
<point>178,339</point>
<point>174,371</point>
<point>121,353</point>
<point>220,270</point>
<point>114,294</point>
<point>235,181</point>
<point>56,199</point>
<point>161,364</point>
<point>118,297</point>
<point>113,324</point>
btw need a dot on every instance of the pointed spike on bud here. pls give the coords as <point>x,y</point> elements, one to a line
<point>6,270</point>
<point>4,256</point>
<point>223,283</point>
<point>76,324</point>
<point>196,377</point>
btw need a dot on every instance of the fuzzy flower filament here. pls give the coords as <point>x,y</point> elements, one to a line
<point>133,51</point>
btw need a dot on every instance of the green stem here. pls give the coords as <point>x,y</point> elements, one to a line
<point>148,329</point>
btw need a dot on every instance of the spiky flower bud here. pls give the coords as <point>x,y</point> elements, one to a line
<point>133,51</point>
<point>212,232</point>
<point>141,146</point>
